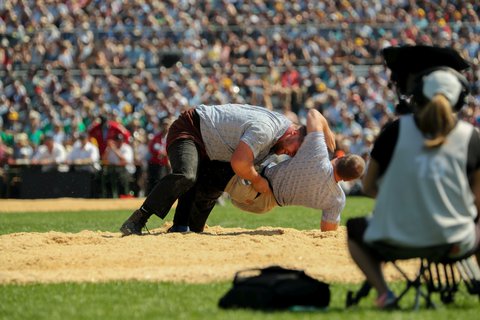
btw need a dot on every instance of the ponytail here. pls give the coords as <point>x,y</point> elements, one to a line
<point>435,120</point>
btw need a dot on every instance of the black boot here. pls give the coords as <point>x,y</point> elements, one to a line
<point>135,223</point>
<point>178,228</point>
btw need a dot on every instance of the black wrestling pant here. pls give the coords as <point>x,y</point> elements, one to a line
<point>213,177</point>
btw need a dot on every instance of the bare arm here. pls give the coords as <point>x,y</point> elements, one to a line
<point>328,226</point>
<point>476,189</point>
<point>370,178</point>
<point>316,122</point>
<point>476,193</point>
<point>242,165</point>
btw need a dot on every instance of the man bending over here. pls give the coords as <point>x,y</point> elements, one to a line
<point>308,179</point>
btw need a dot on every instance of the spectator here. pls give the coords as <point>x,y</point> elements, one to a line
<point>58,133</point>
<point>140,152</point>
<point>22,150</point>
<point>158,164</point>
<point>119,167</point>
<point>5,153</point>
<point>84,155</point>
<point>357,145</point>
<point>34,131</point>
<point>50,154</point>
<point>291,81</point>
<point>104,130</point>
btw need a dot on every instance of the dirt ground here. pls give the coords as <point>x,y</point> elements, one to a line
<point>215,255</point>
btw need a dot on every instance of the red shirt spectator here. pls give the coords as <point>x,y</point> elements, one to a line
<point>158,149</point>
<point>158,163</point>
<point>104,130</point>
<point>5,153</point>
<point>291,77</point>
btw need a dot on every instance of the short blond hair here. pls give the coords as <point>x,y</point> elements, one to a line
<point>350,167</point>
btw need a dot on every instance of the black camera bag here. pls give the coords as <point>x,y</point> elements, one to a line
<point>275,288</point>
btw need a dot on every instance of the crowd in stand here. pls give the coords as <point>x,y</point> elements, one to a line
<point>67,67</point>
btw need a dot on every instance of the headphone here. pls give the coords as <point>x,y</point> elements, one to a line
<point>419,99</point>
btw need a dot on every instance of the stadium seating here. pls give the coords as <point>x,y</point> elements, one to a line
<point>142,61</point>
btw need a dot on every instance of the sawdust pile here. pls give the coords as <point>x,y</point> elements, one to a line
<point>214,255</point>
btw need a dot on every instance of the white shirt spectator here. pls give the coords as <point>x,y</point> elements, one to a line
<point>65,58</point>
<point>84,152</point>
<point>49,154</point>
<point>126,152</point>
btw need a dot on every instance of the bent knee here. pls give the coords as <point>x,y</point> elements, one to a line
<point>190,177</point>
<point>184,181</point>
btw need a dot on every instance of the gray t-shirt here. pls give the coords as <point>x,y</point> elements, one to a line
<point>307,179</point>
<point>224,126</point>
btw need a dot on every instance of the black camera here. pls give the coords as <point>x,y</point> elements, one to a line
<point>407,62</point>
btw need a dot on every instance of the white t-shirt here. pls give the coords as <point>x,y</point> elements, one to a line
<point>58,154</point>
<point>88,151</point>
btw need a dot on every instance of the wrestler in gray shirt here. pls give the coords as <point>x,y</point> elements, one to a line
<point>223,126</point>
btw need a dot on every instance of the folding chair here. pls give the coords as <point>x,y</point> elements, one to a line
<point>353,298</point>
<point>470,273</point>
<point>442,276</point>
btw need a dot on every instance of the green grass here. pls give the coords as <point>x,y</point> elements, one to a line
<point>150,300</point>
<point>144,300</point>
<point>228,216</point>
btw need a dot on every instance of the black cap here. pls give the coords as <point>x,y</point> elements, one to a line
<point>409,60</point>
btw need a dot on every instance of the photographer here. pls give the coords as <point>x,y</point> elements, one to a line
<point>424,172</point>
